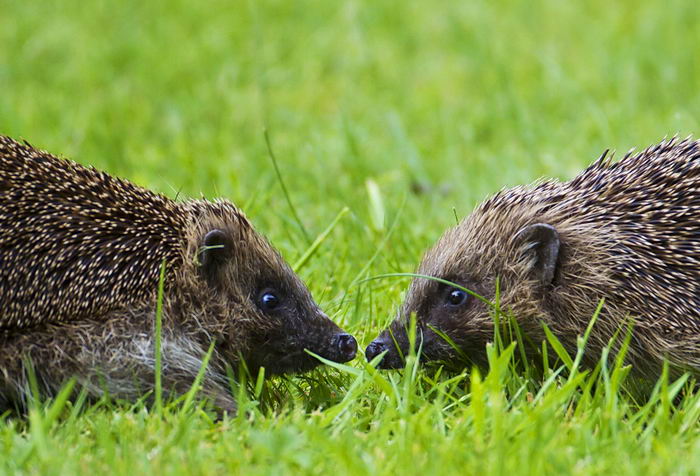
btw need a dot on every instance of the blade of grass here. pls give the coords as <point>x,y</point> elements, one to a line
<point>376,205</point>
<point>432,278</point>
<point>157,342</point>
<point>299,264</point>
<point>189,398</point>
<point>273,158</point>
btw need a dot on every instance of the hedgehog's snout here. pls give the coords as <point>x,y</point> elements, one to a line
<point>391,359</point>
<point>375,348</point>
<point>345,346</point>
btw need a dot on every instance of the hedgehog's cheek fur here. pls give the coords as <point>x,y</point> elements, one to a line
<point>459,342</point>
<point>394,343</point>
<point>284,347</point>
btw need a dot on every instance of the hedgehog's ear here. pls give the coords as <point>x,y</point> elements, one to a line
<point>214,250</point>
<point>540,247</point>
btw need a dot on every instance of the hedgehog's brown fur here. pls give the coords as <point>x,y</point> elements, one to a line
<point>629,233</point>
<point>74,225</point>
<point>80,260</point>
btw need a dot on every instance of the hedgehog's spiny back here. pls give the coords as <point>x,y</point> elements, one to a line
<point>640,216</point>
<point>652,203</point>
<point>76,242</point>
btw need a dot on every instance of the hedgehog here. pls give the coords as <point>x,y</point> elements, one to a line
<point>81,254</point>
<point>623,235</point>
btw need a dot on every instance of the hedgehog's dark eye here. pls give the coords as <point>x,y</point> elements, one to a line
<point>269,300</point>
<point>456,297</point>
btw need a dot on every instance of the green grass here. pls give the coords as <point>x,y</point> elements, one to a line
<point>405,113</point>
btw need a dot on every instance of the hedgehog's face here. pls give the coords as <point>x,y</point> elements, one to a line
<point>272,315</point>
<point>454,318</point>
<point>451,322</point>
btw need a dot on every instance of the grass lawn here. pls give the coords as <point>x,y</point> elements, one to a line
<point>405,113</point>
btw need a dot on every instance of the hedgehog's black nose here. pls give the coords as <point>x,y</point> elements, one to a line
<point>376,347</point>
<point>347,347</point>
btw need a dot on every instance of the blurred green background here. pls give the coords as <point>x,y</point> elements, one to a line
<point>406,112</point>
<point>437,103</point>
